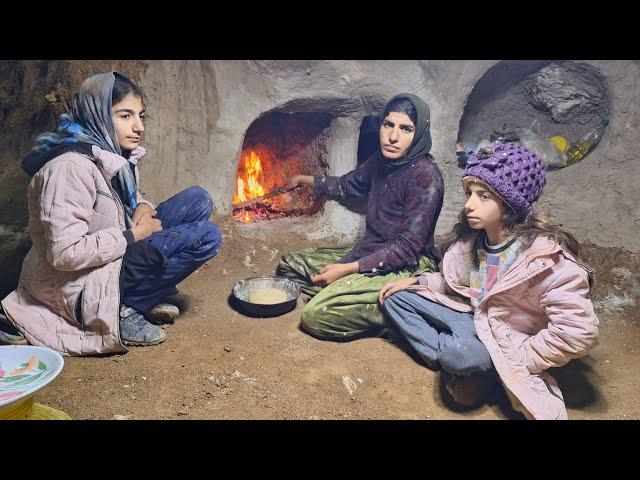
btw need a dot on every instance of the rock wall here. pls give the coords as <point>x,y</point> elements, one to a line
<point>561,98</point>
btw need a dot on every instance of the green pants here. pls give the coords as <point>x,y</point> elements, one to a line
<point>348,308</point>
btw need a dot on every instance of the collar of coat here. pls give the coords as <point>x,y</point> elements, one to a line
<point>112,162</point>
<point>456,263</point>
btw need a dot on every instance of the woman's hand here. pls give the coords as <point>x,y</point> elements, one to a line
<point>146,226</point>
<point>334,271</point>
<point>395,286</point>
<point>141,210</point>
<point>298,180</point>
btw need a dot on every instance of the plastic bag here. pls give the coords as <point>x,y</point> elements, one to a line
<point>542,146</point>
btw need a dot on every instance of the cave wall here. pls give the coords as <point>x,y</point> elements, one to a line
<point>200,110</point>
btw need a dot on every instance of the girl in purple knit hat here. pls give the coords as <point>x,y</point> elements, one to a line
<point>511,300</point>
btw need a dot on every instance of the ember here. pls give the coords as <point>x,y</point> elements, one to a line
<point>258,212</point>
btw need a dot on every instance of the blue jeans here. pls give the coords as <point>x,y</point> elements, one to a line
<point>188,240</point>
<point>440,335</point>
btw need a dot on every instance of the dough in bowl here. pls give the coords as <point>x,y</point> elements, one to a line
<point>268,296</point>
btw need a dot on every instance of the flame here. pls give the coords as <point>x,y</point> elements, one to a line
<point>239,195</point>
<point>249,187</point>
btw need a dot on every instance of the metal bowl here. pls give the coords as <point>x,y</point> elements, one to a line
<point>244,288</point>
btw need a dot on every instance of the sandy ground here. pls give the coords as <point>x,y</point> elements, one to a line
<point>219,364</point>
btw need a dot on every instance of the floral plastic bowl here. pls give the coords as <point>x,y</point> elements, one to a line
<point>25,369</point>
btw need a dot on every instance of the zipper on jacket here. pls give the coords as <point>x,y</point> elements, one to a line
<point>119,203</point>
<point>104,193</point>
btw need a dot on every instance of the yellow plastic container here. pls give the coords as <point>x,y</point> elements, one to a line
<point>30,410</point>
<point>560,142</point>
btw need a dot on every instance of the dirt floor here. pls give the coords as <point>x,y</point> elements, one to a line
<point>219,364</point>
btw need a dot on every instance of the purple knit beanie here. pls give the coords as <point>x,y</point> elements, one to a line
<point>513,171</point>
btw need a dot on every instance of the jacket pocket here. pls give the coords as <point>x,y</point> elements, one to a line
<point>77,308</point>
<point>105,206</point>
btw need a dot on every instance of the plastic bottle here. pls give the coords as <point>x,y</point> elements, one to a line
<point>579,149</point>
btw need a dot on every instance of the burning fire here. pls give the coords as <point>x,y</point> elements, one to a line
<point>252,182</point>
<point>249,187</point>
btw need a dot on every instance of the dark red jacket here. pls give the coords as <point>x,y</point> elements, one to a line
<point>403,206</point>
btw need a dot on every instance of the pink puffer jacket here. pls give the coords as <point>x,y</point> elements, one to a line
<point>535,317</point>
<point>75,222</point>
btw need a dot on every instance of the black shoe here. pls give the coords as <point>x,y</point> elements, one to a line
<point>136,331</point>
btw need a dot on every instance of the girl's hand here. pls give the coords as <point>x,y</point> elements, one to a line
<point>146,226</point>
<point>395,286</point>
<point>334,271</point>
<point>141,210</point>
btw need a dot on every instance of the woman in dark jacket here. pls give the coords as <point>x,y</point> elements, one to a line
<point>404,190</point>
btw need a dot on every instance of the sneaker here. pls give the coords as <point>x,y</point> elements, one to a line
<point>9,334</point>
<point>471,390</point>
<point>136,331</point>
<point>162,313</point>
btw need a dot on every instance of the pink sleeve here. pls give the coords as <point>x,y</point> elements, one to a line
<point>573,326</point>
<point>435,281</point>
<point>66,209</point>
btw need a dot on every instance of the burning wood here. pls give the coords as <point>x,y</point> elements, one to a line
<point>256,199</point>
<point>272,209</point>
<point>258,212</point>
<point>274,193</point>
